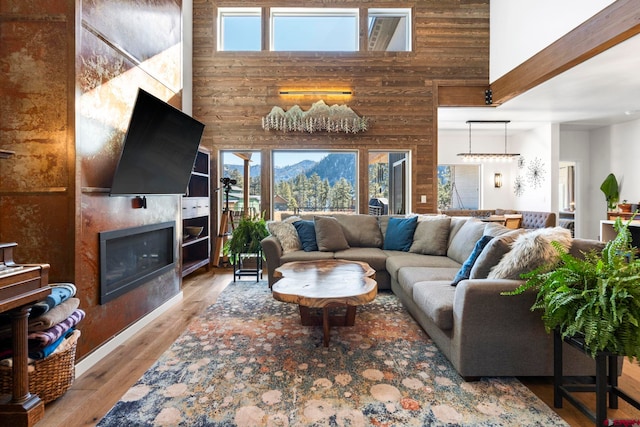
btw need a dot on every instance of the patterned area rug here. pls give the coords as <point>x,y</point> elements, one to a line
<point>247,361</point>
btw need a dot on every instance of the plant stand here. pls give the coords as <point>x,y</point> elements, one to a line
<point>240,269</point>
<point>606,381</point>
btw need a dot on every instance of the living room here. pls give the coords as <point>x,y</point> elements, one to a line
<point>55,187</point>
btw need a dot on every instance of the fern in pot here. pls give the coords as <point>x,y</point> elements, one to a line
<point>596,298</point>
<point>246,237</point>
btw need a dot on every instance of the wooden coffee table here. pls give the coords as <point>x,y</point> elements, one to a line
<point>325,284</point>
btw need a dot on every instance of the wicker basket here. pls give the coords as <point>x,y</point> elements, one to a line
<point>50,377</point>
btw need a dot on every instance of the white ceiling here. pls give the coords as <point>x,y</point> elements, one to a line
<point>599,92</point>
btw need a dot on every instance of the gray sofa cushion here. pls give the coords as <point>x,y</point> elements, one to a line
<point>435,299</point>
<point>409,276</point>
<point>579,247</point>
<point>375,257</point>
<point>465,239</point>
<point>329,234</point>
<point>361,231</point>
<point>397,260</point>
<point>493,253</point>
<point>305,256</point>
<point>431,235</point>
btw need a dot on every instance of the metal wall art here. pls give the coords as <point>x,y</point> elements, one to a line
<point>518,186</point>
<point>320,117</point>
<point>535,173</point>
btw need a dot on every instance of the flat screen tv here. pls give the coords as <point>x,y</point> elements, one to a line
<point>159,149</point>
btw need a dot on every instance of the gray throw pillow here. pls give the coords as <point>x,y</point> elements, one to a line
<point>461,245</point>
<point>361,231</point>
<point>493,253</point>
<point>431,235</point>
<point>286,234</point>
<point>329,234</point>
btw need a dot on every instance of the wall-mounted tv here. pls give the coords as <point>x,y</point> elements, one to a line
<point>159,149</point>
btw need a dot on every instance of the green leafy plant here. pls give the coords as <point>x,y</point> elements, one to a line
<point>611,192</point>
<point>597,297</point>
<point>246,237</point>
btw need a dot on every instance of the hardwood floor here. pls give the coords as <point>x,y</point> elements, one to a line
<point>93,394</point>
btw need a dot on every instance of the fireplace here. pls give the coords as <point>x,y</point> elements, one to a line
<point>131,257</point>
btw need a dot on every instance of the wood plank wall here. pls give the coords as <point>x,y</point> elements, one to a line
<point>396,90</point>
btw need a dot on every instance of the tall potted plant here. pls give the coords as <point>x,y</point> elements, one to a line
<point>611,191</point>
<point>246,237</point>
<point>596,298</point>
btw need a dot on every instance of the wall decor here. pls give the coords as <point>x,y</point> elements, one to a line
<point>521,162</point>
<point>518,186</point>
<point>535,172</point>
<point>320,117</point>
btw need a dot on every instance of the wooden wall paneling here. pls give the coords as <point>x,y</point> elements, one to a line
<point>234,90</point>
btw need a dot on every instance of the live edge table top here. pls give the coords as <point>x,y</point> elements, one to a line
<point>325,284</point>
<point>321,283</point>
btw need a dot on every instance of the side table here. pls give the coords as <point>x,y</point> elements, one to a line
<point>606,381</point>
<point>240,270</point>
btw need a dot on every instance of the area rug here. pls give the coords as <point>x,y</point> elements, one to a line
<point>247,361</point>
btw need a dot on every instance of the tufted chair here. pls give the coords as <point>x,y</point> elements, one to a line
<point>533,219</point>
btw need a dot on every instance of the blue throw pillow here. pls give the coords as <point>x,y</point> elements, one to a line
<point>399,235</point>
<point>465,270</point>
<point>307,233</point>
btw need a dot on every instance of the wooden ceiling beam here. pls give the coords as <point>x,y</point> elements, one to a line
<point>614,24</point>
<point>462,96</point>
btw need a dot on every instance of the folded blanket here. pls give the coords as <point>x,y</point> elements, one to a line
<point>47,350</point>
<point>40,339</point>
<point>59,294</point>
<point>39,308</point>
<point>63,344</point>
<point>53,316</point>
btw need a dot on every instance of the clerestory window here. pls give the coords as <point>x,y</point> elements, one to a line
<point>314,29</point>
<point>389,30</point>
<point>239,29</point>
<point>307,29</point>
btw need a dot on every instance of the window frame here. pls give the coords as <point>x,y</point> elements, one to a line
<point>401,12</point>
<point>236,12</point>
<point>275,12</point>
<point>355,152</point>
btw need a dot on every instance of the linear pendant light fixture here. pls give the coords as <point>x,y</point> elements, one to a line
<point>478,157</point>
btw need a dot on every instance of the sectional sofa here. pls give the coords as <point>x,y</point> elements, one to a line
<point>482,332</point>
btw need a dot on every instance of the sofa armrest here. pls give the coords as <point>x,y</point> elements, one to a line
<point>272,251</point>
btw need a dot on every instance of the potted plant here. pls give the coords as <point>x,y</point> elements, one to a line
<point>611,192</point>
<point>596,298</point>
<point>624,206</point>
<point>246,237</point>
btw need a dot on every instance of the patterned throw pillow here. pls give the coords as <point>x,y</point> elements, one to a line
<point>286,234</point>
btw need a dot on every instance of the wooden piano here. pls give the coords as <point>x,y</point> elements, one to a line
<point>21,285</point>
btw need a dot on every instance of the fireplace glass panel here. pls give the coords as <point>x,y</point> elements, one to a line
<point>133,256</point>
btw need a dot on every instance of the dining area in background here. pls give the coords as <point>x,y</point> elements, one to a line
<point>508,220</point>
